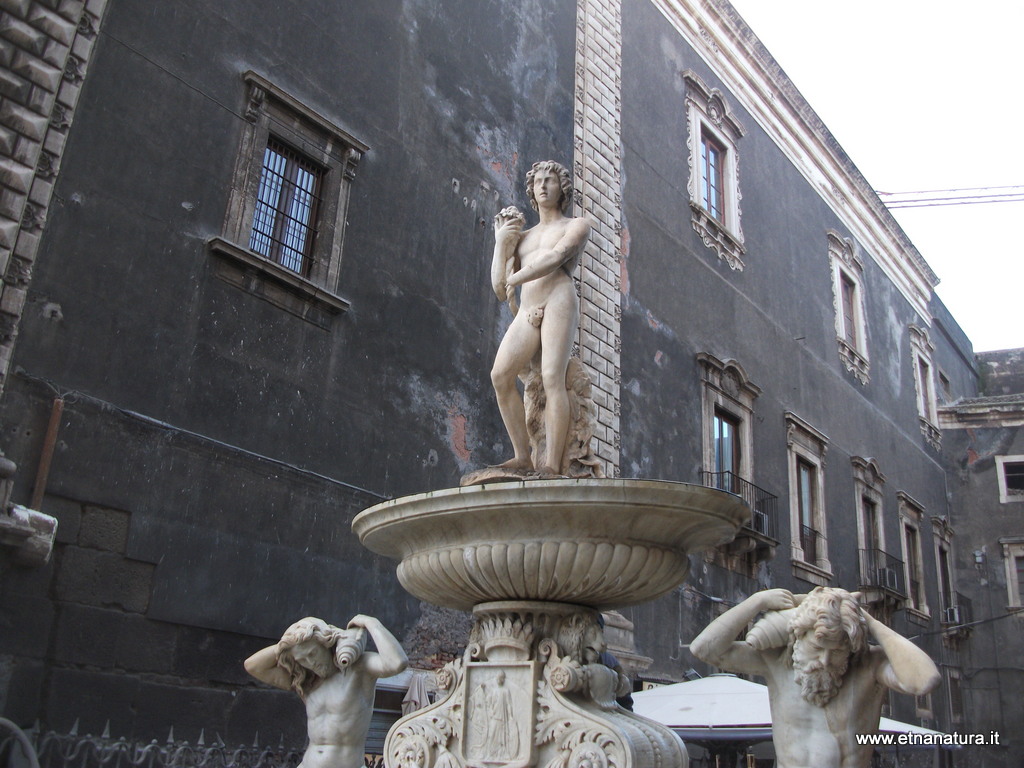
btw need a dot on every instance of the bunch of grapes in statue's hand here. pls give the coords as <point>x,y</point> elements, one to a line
<point>508,229</point>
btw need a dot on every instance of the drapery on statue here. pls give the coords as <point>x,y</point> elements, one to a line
<point>551,431</point>
<point>335,677</point>
<point>825,682</point>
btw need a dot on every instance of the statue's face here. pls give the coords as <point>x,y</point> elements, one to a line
<point>314,657</point>
<point>810,653</point>
<point>593,645</point>
<point>547,190</point>
<point>819,667</point>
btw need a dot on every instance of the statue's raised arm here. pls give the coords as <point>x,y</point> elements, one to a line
<point>826,682</point>
<point>336,678</point>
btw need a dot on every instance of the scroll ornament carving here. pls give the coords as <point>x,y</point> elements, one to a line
<point>448,676</point>
<point>254,108</point>
<point>424,743</point>
<point>427,740</point>
<point>581,740</point>
<point>715,237</point>
<point>854,361</point>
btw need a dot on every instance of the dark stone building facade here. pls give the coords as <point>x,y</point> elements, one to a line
<point>223,412</point>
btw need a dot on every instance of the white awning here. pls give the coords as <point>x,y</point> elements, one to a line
<point>724,707</point>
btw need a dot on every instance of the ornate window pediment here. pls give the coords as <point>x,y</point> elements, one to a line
<point>712,133</point>
<point>848,301</point>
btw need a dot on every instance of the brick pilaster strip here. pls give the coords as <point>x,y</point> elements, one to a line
<point>598,176</point>
<point>45,47</point>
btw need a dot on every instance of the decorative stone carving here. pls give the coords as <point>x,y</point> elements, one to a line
<point>335,678</point>
<point>548,703</point>
<point>600,543</point>
<point>845,261</point>
<point>826,684</point>
<point>706,108</point>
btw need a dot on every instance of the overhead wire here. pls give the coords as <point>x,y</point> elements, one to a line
<point>963,196</point>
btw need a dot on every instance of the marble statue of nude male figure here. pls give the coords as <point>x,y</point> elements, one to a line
<point>336,678</point>
<point>540,260</point>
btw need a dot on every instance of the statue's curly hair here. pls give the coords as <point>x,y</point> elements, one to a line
<point>834,616</point>
<point>564,181</point>
<point>312,628</point>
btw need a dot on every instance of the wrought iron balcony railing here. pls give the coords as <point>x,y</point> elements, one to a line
<point>763,505</point>
<point>881,570</point>
<point>959,612</point>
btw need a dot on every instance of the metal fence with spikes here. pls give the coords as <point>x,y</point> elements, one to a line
<point>38,749</point>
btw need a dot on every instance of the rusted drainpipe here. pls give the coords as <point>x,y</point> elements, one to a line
<point>49,443</point>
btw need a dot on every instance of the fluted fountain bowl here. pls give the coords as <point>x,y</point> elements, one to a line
<point>602,543</point>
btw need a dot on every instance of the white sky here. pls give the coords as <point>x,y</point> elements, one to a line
<point>922,95</point>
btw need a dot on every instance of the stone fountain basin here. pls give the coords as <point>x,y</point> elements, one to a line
<point>602,543</point>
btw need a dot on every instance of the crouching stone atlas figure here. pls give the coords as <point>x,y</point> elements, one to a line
<point>826,683</point>
<point>335,677</point>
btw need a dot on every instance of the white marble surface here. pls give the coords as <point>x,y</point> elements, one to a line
<point>826,682</point>
<point>601,543</point>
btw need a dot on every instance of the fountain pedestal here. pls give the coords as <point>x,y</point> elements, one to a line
<point>537,562</point>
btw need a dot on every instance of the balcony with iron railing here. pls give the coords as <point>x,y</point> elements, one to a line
<point>760,532</point>
<point>881,571</point>
<point>957,615</point>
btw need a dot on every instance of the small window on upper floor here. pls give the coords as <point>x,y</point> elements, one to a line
<point>712,178</point>
<point>848,298</point>
<point>924,384</point>
<point>285,224</point>
<point>714,189</point>
<point>945,389</point>
<point>1010,473</point>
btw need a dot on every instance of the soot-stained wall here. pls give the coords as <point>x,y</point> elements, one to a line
<point>227,442</point>
<point>776,318</point>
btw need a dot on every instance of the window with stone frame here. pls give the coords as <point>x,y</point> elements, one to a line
<point>848,298</point>
<point>911,517</point>
<point>728,397</point>
<point>881,572</point>
<point>712,135</point>
<point>728,407</point>
<point>956,696</point>
<point>285,223</point>
<point>1010,475</point>
<point>945,388</point>
<point>924,384</point>
<point>951,608</point>
<point>1013,562</point>
<point>808,529</point>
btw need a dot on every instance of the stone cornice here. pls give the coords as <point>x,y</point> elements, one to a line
<point>981,413</point>
<point>719,35</point>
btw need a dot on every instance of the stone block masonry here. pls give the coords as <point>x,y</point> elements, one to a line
<point>85,649</point>
<point>597,170</point>
<point>45,47</point>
